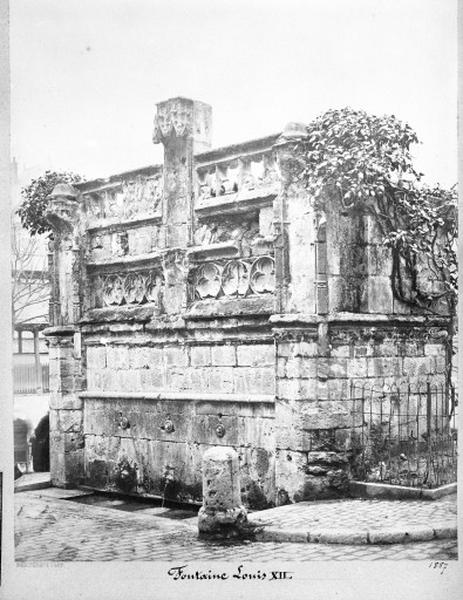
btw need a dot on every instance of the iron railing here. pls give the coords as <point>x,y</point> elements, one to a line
<point>405,435</point>
<point>25,379</point>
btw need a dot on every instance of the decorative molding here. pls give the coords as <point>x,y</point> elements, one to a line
<point>116,226</point>
<point>241,176</point>
<point>243,233</point>
<point>173,116</point>
<point>233,278</point>
<point>252,312</point>
<point>133,288</point>
<point>185,396</point>
<point>125,262</point>
<point>131,199</point>
<point>295,334</point>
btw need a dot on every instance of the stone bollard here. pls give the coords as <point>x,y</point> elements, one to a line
<point>222,515</point>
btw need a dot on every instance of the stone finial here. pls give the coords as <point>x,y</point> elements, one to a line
<point>222,514</point>
<point>183,118</point>
<point>62,209</point>
<point>293,132</point>
<point>64,189</point>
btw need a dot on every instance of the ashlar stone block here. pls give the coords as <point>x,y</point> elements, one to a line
<point>223,355</point>
<point>96,357</point>
<point>200,356</point>
<point>256,355</point>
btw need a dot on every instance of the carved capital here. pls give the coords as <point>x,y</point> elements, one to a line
<point>182,118</point>
<point>173,116</point>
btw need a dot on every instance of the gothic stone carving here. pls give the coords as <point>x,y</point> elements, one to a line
<point>244,233</point>
<point>134,198</point>
<point>173,116</point>
<point>234,278</point>
<point>246,174</point>
<point>134,288</point>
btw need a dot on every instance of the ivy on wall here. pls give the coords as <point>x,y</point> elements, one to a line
<point>365,162</point>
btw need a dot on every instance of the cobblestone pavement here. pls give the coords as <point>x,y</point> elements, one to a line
<point>361,513</point>
<point>52,528</point>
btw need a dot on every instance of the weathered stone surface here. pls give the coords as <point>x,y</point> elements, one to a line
<point>218,277</point>
<point>96,357</point>
<point>253,380</point>
<point>418,366</point>
<point>258,355</point>
<point>357,367</point>
<point>384,367</point>
<point>341,351</point>
<point>434,349</point>
<point>117,357</point>
<point>200,356</point>
<point>223,355</point>
<point>65,401</point>
<point>222,512</point>
<point>379,294</point>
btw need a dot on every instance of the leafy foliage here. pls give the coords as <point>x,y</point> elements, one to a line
<point>365,162</point>
<point>35,199</point>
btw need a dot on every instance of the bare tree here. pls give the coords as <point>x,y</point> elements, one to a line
<point>30,280</point>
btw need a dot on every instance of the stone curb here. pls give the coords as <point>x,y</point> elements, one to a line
<point>386,535</point>
<point>28,485</point>
<point>363,489</point>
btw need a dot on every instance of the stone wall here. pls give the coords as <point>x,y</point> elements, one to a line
<point>209,302</point>
<point>232,368</point>
<point>179,396</point>
<point>160,443</point>
<point>320,372</point>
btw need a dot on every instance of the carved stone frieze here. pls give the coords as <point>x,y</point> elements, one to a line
<point>133,288</point>
<point>244,233</point>
<point>138,197</point>
<point>239,175</point>
<point>234,278</point>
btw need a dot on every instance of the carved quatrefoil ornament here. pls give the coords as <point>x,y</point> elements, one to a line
<point>208,281</point>
<point>263,275</point>
<point>235,278</point>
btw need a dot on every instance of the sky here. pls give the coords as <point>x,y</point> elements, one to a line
<point>86,74</point>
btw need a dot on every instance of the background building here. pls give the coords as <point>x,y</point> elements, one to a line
<point>30,308</point>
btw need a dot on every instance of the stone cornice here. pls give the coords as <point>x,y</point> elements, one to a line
<point>114,181</point>
<point>237,203</point>
<point>126,261</point>
<point>185,396</point>
<point>341,318</point>
<point>213,309</point>
<point>113,225</point>
<point>233,151</point>
<point>60,331</point>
